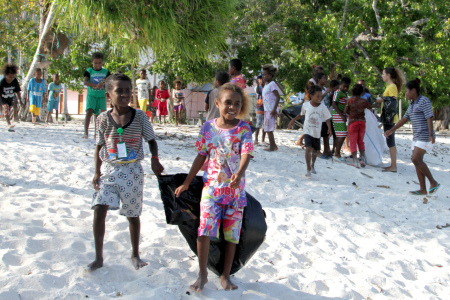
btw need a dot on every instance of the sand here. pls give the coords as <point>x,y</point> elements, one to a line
<point>327,237</point>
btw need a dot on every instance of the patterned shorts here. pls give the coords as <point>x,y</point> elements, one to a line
<point>121,183</point>
<point>340,127</point>
<point>212,214</point>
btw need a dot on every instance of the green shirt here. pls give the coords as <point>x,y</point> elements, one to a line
<point>96,77</point>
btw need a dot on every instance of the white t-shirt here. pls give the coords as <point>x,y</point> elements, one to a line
<point>143,86</point>
<point>269,98</point>
<point>314,116</point>
<point>177,96</point>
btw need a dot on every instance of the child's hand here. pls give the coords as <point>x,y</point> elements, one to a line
<point>344,118</point>
<point>99,86</point>
<point>388,132</point>
<point>330,134</point>
<point>274,113</point>
<point>157,167</point>
<point>432,139</point>
<point>235,181</point>
<point>181,189</point>
<point>96,180</point>
<point>291,124</point>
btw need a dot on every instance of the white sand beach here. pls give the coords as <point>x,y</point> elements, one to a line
<point>346,233</point>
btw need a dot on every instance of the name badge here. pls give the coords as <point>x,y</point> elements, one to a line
<point>122,150</point>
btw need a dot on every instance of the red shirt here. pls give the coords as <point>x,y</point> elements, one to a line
<point>356,107</point>
<point>162,94</point>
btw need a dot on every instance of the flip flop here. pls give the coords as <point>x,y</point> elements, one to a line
<point>340,159</point>
<point>434,190</point>
<point>416,193</point>
<point>323,156</point>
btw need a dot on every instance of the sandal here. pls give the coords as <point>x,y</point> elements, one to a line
<point>434,190</point>
<point>416,193</point>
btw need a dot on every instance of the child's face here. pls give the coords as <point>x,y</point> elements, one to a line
<point>266,76</point>
<point>10,77</point>
<point>345,87</point>
<point>120,93</point>
<point>259,80</point>
<point>162,85</point>
<point>229,104</point>
<point>38,74</point>
<point>142,74</point>
<point>97,63</point>
<point>231,70</point>
<point>178,86</point>
<point>216,83</point>
<point>56,78</point>
<point>322,80</point>
<point>316,98</point>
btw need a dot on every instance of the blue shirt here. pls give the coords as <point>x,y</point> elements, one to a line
<point>418,112</point>
<point>54,90</point>
<point>36,91</point>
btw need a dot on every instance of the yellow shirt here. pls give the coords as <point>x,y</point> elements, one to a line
<point>391,91</point>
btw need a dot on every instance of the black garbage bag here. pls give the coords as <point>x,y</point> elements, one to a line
<point>292,112</point>
<point>389,110</point>
<point>185,212</point>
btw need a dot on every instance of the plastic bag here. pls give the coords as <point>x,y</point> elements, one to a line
<point>292,112</point>
<point>185,211</point>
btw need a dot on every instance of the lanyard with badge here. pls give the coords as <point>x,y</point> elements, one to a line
<point>121,146</point>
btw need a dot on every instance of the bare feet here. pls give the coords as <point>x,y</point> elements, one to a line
<point>313,170</point>
<point>96,264</point>
<point>200,283</point>
<point>270,149</point>
<point>256,143</point>
<point>389,169</point>
<point>227,284</point>
<point>138,262</point>
<point>85,136</point>
<point>308,173</point>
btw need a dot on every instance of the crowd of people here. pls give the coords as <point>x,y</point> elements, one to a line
<point>225,144</point>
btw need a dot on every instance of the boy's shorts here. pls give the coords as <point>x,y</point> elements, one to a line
<point>269,122</point>
<point>143,104</point>
<point>211,215</point>
<point>97,104</point>
<point>34,109</point>
<point>312,142</point>
<point>259,120</point>
<point>52,105</point>
<point>121,183</point>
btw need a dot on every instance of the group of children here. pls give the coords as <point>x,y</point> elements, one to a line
<point>11,94</point>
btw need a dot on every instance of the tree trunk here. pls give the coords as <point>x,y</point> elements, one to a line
<point>133,86</point>
<point>442,118</point>
<point>48,23</point>
<point>65,103</point>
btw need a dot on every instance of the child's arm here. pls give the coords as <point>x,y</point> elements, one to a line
<point>274,113</point>
<point>397,126</point>
<point>336,108</point>
<point>347,108</point>
<point>291,123</point>
<point>330,133</point>
<point>92,85</point>
<point>156,165</point>
<point>98,165</point>
<point>196,166</point>
<point>430,130</point>
<point>236,177</point>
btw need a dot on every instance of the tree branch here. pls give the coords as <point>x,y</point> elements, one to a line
<point>367,56</point>
<point>343,19</point>
<point>377,15</point>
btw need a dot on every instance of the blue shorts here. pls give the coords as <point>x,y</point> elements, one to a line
<point>259,120</point>
<point>52,105</point>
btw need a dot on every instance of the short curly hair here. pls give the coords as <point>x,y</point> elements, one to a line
<point>245,108</point>
<point>115,77</point>
<point>9,69</point>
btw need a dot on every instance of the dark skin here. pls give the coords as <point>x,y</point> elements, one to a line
<point>178,113</point>
<point>9,78</point>
<point>310,153</point>
<point>340,140</point>
<point>229,106</point>
<point>259,91</point>
<point>55,81</point>
<point>422,169</point>
<point>267,78</point>
<point>38,78</point>
<point>350,121</point>
<point>326,139</point>
<point>120,96</point>
<point>97,64</point>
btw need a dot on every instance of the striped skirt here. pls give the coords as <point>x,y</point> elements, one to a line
<point>340,127</point>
